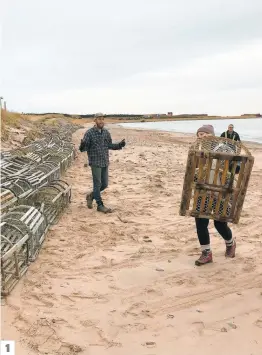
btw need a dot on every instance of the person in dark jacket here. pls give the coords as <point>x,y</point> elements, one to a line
<point>96,142</point>
<point>231,134</point>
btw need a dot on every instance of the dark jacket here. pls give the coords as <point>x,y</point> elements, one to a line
<point>97,144</point>
<point>233,135</point>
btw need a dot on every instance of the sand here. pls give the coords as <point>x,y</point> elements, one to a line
<point>125,283</point>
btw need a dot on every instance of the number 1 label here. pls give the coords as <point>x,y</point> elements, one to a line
<point>7,347</point>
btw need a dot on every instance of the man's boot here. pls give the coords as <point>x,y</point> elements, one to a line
<point>89,200</point>
<point>104,209</point>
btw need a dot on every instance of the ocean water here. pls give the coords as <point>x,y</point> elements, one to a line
<point>248,129</point>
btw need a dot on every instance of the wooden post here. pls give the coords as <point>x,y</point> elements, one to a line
<point>243,191</point>
<point>238,187</point>
<point>208,171</point>
<point>1,98</point>
<point>187,188</point>
<point>16,265</point>
<point>224,212</point>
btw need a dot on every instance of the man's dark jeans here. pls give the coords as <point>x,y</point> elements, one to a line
<point>100,182</point>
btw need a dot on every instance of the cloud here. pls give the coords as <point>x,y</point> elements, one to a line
<point>234,69</point>
<point>139,56</point>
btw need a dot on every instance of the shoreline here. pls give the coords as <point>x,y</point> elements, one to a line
<point>180,134</point>
<point>110,119</point>
<point>147,118</point>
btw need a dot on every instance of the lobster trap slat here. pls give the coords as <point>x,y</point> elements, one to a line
<point>216,179</point>
<point>7,199</point>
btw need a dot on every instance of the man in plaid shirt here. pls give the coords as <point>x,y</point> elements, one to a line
<point>96,142</point>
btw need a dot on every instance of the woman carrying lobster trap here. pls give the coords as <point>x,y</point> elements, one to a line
<point>217,174</point>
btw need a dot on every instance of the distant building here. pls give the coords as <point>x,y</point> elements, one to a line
<point>170,114</point>
<point>152,115</point>
<point>252,114</point>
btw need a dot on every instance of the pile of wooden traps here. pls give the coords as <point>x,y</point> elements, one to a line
<point>32,198</point>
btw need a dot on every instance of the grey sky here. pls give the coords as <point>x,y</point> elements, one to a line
<point>82,56</point>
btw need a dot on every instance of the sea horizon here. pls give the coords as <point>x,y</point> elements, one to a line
<point>248,129</point>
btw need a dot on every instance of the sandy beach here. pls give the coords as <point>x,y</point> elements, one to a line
<point>125,283</point>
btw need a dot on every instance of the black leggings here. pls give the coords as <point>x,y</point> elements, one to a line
<point>203,234</point>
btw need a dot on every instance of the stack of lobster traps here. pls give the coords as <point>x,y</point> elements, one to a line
<point>33,197</point>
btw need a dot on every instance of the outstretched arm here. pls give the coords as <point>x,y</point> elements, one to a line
<point>115,146</point>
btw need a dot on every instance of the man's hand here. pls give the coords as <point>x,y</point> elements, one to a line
<point>122,143</point>
<point>82,146</point>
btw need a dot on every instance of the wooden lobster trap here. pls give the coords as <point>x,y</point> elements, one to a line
<point>14,255</point>
<point>52,199</point>
<point>28,219</point>
<point>216,179</point>
<point>18,188</point>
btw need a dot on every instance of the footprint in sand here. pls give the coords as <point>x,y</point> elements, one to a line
<point>133,327</point>
<point>147,240</point>
<point>80,256</point>
<point>149,344</point>
<point>138,310</point>
<point>42,300</point>
<point>88,323</point>
<point>21,323</point>
<point>69,349</point>
<point>199,327</point>
<point>42,337</point>
<point>258,322</point>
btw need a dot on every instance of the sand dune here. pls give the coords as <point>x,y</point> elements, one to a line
<point>125,283</point>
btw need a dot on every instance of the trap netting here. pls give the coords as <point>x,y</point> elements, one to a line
<point>216,179</point>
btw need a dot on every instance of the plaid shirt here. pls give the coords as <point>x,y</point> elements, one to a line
<point>97,143</point>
